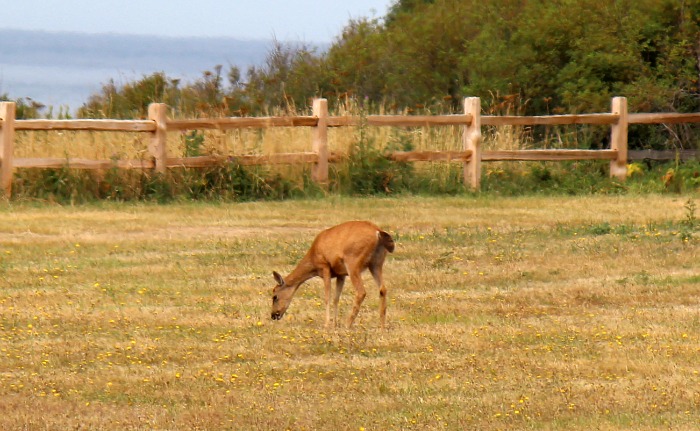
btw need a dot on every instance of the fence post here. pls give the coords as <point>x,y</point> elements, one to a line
<point>158,148</point>
<point>471,140</point>
<point>618,139</point>
<point>320,142</point>
<point>7,144</point>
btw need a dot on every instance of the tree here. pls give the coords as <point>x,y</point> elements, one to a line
<point>25,107</point>
<point>131,100</point>
<point>554,56</point>
<point>291,76</point>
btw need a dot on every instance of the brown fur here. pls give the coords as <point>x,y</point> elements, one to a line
<point>344,250</point>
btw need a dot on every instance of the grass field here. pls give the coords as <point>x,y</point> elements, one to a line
<point>572,313</point>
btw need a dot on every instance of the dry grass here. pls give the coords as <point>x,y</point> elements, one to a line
<point>530,313</point>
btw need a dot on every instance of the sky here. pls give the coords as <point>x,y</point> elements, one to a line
<point>284,20</point>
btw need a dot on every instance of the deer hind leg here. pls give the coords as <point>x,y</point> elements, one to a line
<point>360,294</point>
<point>376,272</point>
<point>340,281</point>
<point>326,274</point>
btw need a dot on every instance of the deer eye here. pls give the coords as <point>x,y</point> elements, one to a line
<point>274,298</point>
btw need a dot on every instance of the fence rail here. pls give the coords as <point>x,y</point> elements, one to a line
<point>550,120</point>
<point>87,125</point>
<point>471,155</point>
<point>548,155</point>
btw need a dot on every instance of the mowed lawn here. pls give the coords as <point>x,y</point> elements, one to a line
<point>571,313</point>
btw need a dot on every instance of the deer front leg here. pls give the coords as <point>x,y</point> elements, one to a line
<point>360,294</point>
<point>340,281</point>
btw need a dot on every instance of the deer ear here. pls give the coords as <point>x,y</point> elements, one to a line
<point>278,278</point>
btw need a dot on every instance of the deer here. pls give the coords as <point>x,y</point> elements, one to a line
<point>347,249</point>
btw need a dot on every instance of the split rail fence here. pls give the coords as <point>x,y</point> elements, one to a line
<point>471,154</point>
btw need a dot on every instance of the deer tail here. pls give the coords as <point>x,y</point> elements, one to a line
<point>386,240</point>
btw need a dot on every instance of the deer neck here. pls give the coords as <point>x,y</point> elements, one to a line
<point>304,271</point>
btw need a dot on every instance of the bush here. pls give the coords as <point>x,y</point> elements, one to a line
<point>228,181</point>
<point>231,181</point>
<point>366,171</point>
<point>571,178</point>
<point>666,177</point>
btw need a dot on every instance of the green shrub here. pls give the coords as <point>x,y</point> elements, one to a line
<point>666,177</point>
<point>233,182</point>
<point>368,171</point>
<point>60,185</point>
<point>228,181</point>
<point>571,178</point>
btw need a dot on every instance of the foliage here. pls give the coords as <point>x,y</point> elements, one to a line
<point>194,142</point>
<point>564,56</point>
<point>690,224</point>
<point>671,177</point>
<point>62,185</point>
<point>130,100</point>
<point>228,181</point>
<point>368,170</point>
<point>550,178</point>
<point>73,186</point>
<point>25,108</point>
<point>289,78</point>
<point>232,182</point>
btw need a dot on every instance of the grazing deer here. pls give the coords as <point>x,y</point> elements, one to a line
<point>346,249</point>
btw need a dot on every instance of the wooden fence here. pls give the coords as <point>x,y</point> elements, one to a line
<point>471,154</point>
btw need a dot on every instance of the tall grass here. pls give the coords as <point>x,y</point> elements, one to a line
<point>363,170</point>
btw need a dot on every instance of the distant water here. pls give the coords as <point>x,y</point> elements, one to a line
<point>64,69</point>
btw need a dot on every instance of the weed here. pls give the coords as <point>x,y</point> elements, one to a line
<point>601,229</point>
<point>690,224</point>
<point>548,178</point>
<point>62,185</point>
<point>193,143</point>
<point>368,171</point>
<point>690,220</point>
<point>668,177</point>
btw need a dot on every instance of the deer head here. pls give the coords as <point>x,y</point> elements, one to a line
<point>282,296</point>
